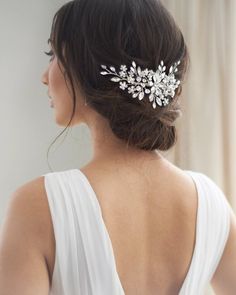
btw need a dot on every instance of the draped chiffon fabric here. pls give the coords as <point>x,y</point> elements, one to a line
<point>84,257</point>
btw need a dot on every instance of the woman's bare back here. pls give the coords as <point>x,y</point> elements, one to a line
<point>151,222</point>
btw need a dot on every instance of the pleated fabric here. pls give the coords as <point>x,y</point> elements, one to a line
<point>84,258</point>
<point>212,231</point>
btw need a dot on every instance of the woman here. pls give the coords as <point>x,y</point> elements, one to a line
<point>129,222</point>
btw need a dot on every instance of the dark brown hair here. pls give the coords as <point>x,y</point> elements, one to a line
<point>88,33</point>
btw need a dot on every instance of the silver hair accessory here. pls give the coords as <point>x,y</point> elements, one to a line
<point>158,85</point>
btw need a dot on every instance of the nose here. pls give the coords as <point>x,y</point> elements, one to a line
<point>44,78</point>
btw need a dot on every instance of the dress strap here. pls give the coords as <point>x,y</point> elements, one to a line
<point>212,232</point>
<point>84,262</point>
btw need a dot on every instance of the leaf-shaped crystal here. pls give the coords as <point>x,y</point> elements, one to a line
<point>103,66</point>
<point>104,73</point>
<point>115,79</point>
<point>135,94</point>
<point>113,69</point>
<point>151,97</point>
<point>159,102</point>
<point>134,64</point>
<point>141,95</point>
<point>153,89</point>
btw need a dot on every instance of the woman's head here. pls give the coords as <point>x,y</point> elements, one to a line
<point>88,33</point>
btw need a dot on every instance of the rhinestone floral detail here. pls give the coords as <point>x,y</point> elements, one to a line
<point>158,85</point>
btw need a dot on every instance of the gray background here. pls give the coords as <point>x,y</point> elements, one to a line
<point>26,118</point>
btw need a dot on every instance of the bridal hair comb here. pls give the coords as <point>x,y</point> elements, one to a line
<point>158,85</point>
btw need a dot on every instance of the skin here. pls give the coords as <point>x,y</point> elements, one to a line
<point>27,244</point>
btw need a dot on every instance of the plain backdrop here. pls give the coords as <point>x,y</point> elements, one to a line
<point>207,130</point>
<point>26,119</point>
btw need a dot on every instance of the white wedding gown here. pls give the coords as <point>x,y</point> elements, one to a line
<point>84,258</point>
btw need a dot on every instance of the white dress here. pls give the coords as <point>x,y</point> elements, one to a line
<point>84,258</point>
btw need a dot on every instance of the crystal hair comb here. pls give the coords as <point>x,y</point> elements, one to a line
<point>158,85</point>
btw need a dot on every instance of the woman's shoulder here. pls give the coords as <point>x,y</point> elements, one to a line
<point>206,181</point>
<point>28,203</point>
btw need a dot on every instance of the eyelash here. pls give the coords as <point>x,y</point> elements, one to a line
<point>50,53</point>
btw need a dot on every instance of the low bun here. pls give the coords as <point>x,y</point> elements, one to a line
<point>137,123</point>
<point>158,136</point>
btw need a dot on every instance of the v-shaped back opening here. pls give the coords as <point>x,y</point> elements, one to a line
<point>197,227</point>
